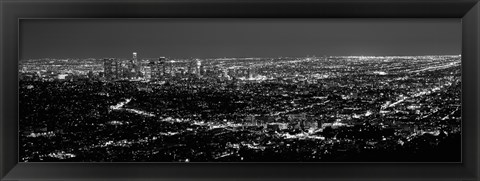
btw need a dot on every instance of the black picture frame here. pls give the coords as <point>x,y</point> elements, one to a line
<point>13,10</point>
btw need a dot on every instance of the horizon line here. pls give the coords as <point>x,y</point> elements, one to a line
<point>252,57</point>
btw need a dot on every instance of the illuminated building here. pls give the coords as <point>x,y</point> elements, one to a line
<point>163,61</point>
<point>202,69</point>
<point>147,72</point>
<point>134,57</point>
<point>171,71</point>
<point>133,67</point>
<point>189,68</point>
<point>110,68</point>
<point>157,68</point>
<point>197,70</point>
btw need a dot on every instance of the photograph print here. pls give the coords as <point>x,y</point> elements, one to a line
<point>240,90</point>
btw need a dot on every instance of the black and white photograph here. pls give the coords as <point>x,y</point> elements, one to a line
<point>240,90</point>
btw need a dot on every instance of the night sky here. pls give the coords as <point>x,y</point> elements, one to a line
<point>208,38</point>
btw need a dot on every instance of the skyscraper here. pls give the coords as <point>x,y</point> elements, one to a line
<point>197,68</point>
<point>110,68</point>
<point>148,72</point>
<point>134,57</point>
<point>157,68</point>
<point>162,62</point>
<point>202,70</point>
<point>191,68</point>
<point>171,67</point>
<point>133,67</point>
<point>117,71</point>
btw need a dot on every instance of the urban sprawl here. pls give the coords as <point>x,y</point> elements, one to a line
<point>282,109</point>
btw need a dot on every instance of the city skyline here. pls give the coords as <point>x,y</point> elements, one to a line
<point>313,109</point>
<point>213,38</point>
<point>212,90</point>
